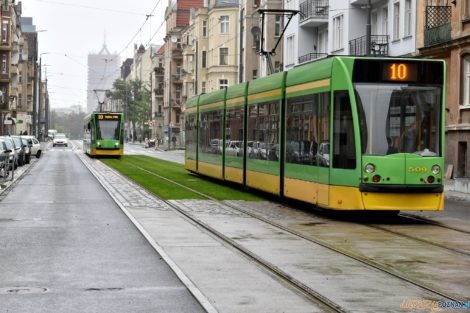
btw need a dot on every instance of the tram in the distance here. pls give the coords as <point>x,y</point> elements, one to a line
<point>104,134</point>
<point>343,133</point>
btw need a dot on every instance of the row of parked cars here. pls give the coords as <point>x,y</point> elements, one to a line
<point>16,151</point>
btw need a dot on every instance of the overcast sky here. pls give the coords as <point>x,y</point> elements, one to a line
<point>71,29</point>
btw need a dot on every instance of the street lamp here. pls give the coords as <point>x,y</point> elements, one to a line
<point>39,98</point>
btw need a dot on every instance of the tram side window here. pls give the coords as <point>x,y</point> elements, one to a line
<point>263,131</point>
<point>344,152</point>
<point>211,128</point>
<point>302,129</point>
<point>234,132</point>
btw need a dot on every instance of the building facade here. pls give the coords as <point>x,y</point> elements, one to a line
<point>177,16</point>
<point>444,33</point>
<point>103,70</point>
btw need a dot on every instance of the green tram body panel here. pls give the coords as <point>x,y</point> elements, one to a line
<point>307,133</point>
<point>104,134</point>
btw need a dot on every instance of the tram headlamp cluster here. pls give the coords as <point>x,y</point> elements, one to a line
<point>436,169</point>
<point>369,168</point>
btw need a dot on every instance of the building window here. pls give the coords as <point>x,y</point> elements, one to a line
<point>338,32</point>
<point>223,83</point>
<point>204,59</point>
<point>322,41</point>
<point>4,64</point>
<point>5,27</point>
<point>223,56</point>
<point>255,74</point>
<point>466,80</point>
<point>278,26</point>
<point>396,20</point>
<point>224,24</point>
<point>178,94</point>
<point>204,28</point>
<point>408,17</point>
<point>467,9</point>
<point>290,50</point>
<point>203,87</point>
<point>385,21</point>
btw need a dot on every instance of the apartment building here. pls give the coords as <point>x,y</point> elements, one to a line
<point>444,33</point>
<point>29,72</point>
<point>158,83</point>
<point>340,27</point>
<point>11,41</point>
<point>177,16</point>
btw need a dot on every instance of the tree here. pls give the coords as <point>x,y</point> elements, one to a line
<point>135,98</point>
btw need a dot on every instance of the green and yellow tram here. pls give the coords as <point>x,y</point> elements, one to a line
<point>104,134</point>
<point>343,133</point>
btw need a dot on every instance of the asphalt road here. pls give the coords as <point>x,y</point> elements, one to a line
<point>65,246</point>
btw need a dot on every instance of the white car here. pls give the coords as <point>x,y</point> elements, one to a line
<point>34,145</point>
<point>60,140</point>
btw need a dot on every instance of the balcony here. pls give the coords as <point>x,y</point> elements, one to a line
<point>4,77</point>
<point>312,56</point>
<point>159,70</point>
<point>14,69</point>
<point>313,13</point>
<point>176,78</point>
<point>438,28</point>
<point>378,46</point>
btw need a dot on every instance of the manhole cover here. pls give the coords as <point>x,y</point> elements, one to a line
<point>22,290</point>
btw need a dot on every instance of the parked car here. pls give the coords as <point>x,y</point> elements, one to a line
<point>216,146</point>
<point>20,150</point>
<point>60,140</point>
<point>34,144</point>
<point>232,147</point>
<point>323,154</point>
<point>6,158</point>
<point>25,147</point>
<point>13,154</point>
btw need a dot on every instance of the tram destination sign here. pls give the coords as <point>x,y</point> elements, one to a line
<point>108,116</point>
<point>398,71</point>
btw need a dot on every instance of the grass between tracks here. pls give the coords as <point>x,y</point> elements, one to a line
<point>144,170</point>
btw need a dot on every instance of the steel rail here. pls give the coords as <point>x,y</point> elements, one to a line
<point>351,255</point>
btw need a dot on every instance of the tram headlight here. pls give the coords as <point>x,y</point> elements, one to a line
<point>436,169</point>
<point>369,168</point>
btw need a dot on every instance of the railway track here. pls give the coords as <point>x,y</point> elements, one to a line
<point>350,254</point>
<point>285,276</point>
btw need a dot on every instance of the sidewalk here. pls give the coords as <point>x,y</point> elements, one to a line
<point>458,188</point>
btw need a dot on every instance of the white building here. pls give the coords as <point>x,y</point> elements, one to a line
<point>340,28</point>
<point>103,69</point>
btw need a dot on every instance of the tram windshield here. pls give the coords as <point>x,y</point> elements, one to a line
<point>107,129</point>
<point>399,118</point>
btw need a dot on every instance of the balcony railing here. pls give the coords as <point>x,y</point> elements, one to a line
<point>438,28</point>
<point>313,8</point>
<point>159,70</point>
<point>378,46</point>
<point>311,57</point>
